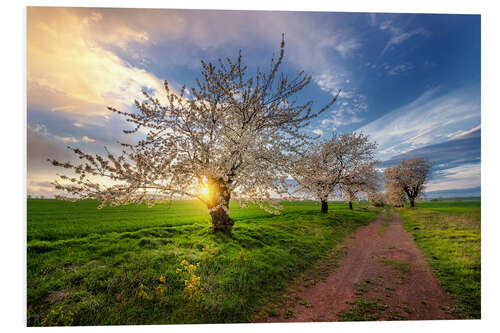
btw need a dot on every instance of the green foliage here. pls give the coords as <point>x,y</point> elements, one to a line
<point>449,233</point>
<point>118,266</point>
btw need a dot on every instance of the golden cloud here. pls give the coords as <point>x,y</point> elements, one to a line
<point>67,70</point>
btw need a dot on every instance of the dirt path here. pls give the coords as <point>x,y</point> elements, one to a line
<point>383,276</point>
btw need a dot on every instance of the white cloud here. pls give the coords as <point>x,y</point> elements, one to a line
<point>398,35</point>
<point>329,82</point>
<point>346,47</point>
<point>343,43</point>
<point>429,118</point>
<point>340,118</point>
<point>40,129</point>
<point>87,139</point>
<point>399,69</point>
<point>464,176</point>
<point>460,134</point>
<point>66,138</point>
<point>73,139</point>
<point>349,98</point>
<point>318,131</point>
<point>347,110</point>
<point>40,147</point>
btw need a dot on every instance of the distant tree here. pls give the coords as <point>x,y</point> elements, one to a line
<point>321,168</point>
<point>228,139</point>
<point>29,196</point>
<point>395,195</point>
<point>377,199</point>
<point>409,176</point>
<point>362,179</point>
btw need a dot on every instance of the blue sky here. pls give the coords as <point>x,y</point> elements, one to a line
<point>410,81</point>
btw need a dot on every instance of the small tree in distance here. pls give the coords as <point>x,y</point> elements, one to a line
<point>409,176</point>
<point>377,199</point>
<point>362,178</point>
<point>322,167</point>
<point>395,196</point>
<point>229,140</point>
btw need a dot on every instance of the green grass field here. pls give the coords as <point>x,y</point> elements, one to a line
<point>449,233</point>
<point>132,265</point>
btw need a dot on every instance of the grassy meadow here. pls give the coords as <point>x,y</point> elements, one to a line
<point>139,265</point>
<point>449,233</point>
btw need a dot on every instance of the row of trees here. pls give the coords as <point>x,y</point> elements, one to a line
<point>235,136</point>
<point>344,164</point>
<point>230,138</point>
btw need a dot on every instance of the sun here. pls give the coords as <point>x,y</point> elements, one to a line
<point>205,191</point>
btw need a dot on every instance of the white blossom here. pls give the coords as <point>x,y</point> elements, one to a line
<point>409,176</point>
<point>341,162</point>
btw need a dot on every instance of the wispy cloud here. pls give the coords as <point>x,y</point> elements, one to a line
<point>399,69</point>
<point>38,188</point>
<point>40,147</point>
<point>346,46</point>
<point>87,139</point>
<point>40,131</point>
<point>340,118</point>
<point>455,163</point>
<point>398,35</point>
<point>461,134</point>
<point>346,111</point>
<point>432,117</point>
<point>465,149</point>
<point>464,176</point>
<point>349,105</point>
<point>330,82</point>
<point>66,139</point>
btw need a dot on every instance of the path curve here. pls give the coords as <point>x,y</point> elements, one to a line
<point>383,266</point>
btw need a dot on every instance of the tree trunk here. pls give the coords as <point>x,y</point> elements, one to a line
<point>350,205</point>
<point>221,220</point>
<point>412,203</point>
<point>324,206</point>
<point>218,205</point>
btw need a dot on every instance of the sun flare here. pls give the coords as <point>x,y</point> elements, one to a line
<point>205,191</point>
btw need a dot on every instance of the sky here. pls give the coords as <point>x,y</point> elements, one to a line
<point>410,81</point>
